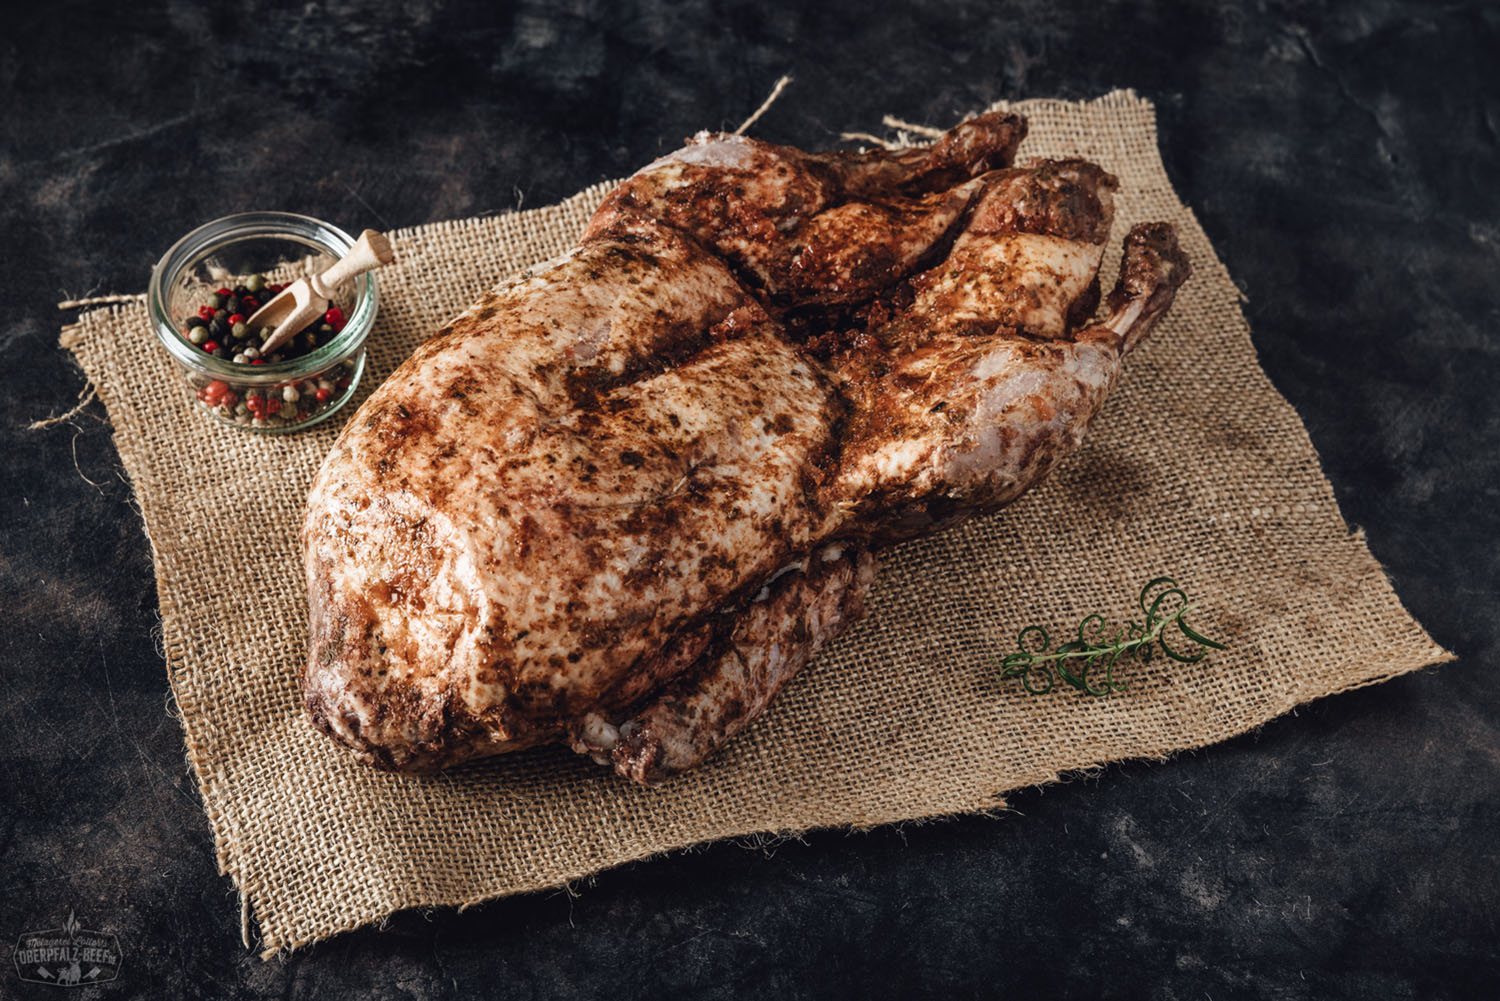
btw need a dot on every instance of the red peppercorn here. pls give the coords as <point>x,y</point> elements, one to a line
<point>275,289</point>
<point>210,346</point>
<point>258,361</point>
<point>229,399</point>
<point>207,312</point>
<point>342,383</point>
<point>250,302</point>
<point>224,292</point>
<point>334,318</point>
<point>323,395</point>
<point>273,404</point>
<point>235,318</point>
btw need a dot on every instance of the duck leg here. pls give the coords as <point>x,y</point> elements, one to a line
<point>757,650</point>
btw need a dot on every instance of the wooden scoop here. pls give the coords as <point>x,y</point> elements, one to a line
<point>306,299</point>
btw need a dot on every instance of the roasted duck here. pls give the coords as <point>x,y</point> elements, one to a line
<point>620,502</point>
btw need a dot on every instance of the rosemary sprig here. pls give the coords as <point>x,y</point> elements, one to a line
<point>1164,605</point>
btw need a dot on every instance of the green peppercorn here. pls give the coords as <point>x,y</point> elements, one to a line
<point>216,302</point>
<point>240,330</point>
<point>197,334</point>
<point>255,283</point>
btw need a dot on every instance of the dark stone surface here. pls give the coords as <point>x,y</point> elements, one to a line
<point>1341,156</point>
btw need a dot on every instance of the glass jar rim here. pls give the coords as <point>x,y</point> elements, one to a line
<point>250,225</point>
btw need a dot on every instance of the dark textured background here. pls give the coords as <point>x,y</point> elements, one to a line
<point>1342,158</point>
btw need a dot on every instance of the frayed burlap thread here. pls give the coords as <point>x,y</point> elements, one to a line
<point>1197,467</point>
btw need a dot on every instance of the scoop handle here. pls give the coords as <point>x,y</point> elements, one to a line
<point>370,251</point>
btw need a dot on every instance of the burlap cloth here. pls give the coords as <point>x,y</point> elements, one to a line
<point>1197,467</point>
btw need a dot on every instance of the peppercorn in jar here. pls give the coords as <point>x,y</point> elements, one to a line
<point>206,287</point>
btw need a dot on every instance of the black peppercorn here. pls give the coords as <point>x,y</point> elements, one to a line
<point>210,330</point>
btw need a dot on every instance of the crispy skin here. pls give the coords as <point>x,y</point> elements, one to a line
<point>595,507</point>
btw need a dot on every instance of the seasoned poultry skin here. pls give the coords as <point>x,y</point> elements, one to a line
<point>620,502</point>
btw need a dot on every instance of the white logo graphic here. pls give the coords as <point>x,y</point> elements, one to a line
<point>68,956</point>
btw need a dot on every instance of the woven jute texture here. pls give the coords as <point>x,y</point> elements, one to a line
<point>1196,467</point>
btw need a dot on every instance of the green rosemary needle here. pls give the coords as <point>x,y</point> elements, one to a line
<point>1164,605</point>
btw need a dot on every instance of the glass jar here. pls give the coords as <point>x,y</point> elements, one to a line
<point>272,397</point>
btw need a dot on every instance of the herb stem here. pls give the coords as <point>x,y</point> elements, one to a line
<point>1164,605</point>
